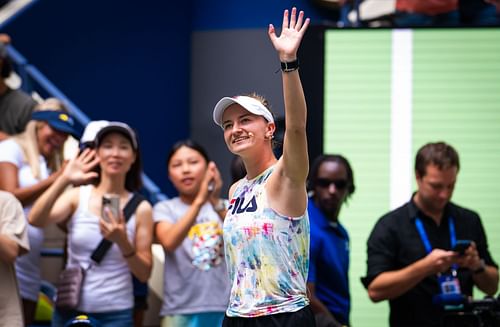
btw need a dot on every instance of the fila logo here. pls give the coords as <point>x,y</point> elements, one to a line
<point>237,206</point>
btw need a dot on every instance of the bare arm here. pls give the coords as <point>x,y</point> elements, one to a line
<point>171,235</point>
<point>53,206</point>
<point>9,250</point>
<point>391,284</point>
<point>287,190</point>
<point>26,195</point>
<point>319,307</point>
<point>141,263</point>
<point>486,281</point>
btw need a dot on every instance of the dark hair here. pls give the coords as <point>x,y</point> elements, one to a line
<point>189,144</point>
<point>313,173</point>
<point>6,67</point>
<point>133,179</point>
<point>439,153</point>
<point>238,170</point>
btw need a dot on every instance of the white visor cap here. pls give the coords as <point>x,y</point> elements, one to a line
<point>250,104</point>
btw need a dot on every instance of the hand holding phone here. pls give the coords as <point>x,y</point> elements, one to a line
<point>112,203</point>
<point>461,246</point>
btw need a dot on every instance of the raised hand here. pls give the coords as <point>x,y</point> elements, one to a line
<point>292,31</point>
<point>214,196</point>
<point>78,170</point>
<point>210,178</point>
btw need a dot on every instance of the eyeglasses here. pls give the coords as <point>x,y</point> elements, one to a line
<point>325,182</point>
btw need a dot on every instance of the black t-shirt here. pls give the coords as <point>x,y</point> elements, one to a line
<point>395,243</point>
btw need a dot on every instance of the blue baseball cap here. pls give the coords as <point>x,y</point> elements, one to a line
<point>59,120</point>
<point>82,320</point>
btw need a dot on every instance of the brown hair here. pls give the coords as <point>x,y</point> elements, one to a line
<point>439,153</point>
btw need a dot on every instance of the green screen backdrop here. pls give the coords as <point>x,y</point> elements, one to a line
<point>388,92</point>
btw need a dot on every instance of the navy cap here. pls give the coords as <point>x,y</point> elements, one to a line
<point>82,320</point>
<point>59,120</point>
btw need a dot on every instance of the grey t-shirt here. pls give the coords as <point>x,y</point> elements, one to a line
<point>15,111</point>
<point>195,277</point>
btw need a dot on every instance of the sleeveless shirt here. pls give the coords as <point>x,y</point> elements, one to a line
<point>267,253</point>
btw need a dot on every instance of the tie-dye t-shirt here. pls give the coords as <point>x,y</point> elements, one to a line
<point>267,254</point>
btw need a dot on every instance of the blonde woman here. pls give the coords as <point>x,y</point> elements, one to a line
<point>29,163</point>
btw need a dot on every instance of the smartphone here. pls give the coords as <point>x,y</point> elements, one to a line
<point>112,202</point>
<point>211,186</point>
<point>461,246</point>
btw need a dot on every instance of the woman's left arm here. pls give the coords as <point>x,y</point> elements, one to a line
<point>136,252</point>
<point>142,262</point>
<point>289,186</point>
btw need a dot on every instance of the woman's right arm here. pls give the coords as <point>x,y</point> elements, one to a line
<point>26,195</point>
<point>54,206</point>
<point>171,235</point>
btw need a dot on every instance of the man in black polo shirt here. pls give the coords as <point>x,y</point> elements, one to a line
<point>410,259</point>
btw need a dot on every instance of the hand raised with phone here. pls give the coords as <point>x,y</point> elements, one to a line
<point>211,185</point>
<point>112,223</point>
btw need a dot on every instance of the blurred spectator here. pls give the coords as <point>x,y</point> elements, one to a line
<point>29,163</point>
<point>331,183</point>
<point>189,227</point>
<point>15,105</point>
<point>13,242</point>
<point>141,290</point>
<point>411,13</point>
<point>478,13</point>
<point>238,170</point>
<point>412,261</point>
<point>107,290</point>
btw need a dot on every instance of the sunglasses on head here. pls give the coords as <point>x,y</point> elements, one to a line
<point>325,182</point>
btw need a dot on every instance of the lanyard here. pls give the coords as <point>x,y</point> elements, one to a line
<point>425,239</point>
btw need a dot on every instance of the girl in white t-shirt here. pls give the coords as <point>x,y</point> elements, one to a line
<point>29,163</point>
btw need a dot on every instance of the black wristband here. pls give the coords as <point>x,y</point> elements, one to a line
<point>290,66</point>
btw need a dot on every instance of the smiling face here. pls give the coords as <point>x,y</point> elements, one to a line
<point>49,139</point>
<point>244,130</point>
<point>186,169</point>
<point>116,154</point>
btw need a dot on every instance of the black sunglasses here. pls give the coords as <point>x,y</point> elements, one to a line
<point>325,182</point>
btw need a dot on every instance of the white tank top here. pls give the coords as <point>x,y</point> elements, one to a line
<point>267,253</point>
<point>107,286</point>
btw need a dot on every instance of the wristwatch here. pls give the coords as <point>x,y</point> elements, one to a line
<point>481,268</point>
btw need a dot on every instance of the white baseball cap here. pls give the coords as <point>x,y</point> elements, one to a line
<point>250,104</point>
<point>92,129</point>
